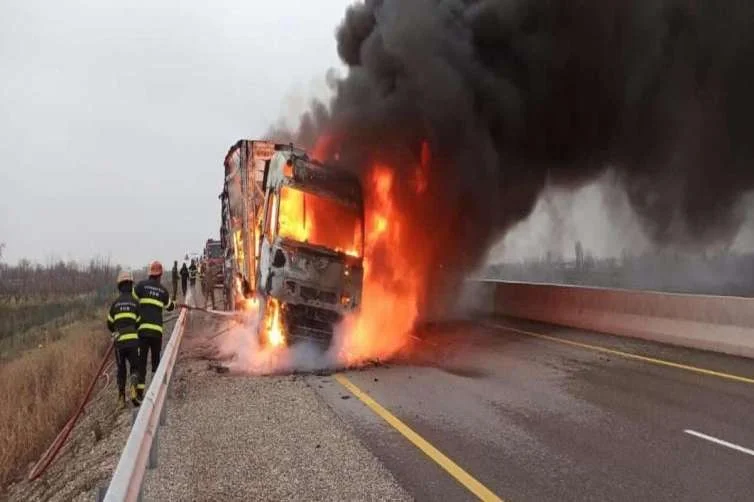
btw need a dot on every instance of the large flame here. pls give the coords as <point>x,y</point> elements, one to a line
<point>393,269</point>
<point>392,283</point>
<point>322,221</point>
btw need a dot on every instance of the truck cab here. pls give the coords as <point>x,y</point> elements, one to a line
<point>213,260</point>
<point>310,269</point>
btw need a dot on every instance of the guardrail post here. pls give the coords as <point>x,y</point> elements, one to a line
<point>164,411</point>
<point>152,463</point>
<point>100,495</point>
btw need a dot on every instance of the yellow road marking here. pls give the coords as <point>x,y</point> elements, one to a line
<point>451,467</point>
<point>628,355</point>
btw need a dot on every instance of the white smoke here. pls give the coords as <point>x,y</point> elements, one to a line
<point>598,215</point>
<point>237,345</point>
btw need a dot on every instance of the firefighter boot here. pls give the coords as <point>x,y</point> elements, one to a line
<point>135,399</point>
<point>121,403</point>
<point>139,394</point>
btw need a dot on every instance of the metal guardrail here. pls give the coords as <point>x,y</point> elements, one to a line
<point>140,451</point>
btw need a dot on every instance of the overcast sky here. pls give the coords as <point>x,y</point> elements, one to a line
<point>115,116</point>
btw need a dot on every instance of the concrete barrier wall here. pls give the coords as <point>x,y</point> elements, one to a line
<point>717,323</point>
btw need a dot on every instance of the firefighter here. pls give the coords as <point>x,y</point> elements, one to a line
<point>208,286</point>
<point>175,279</point>
<point>184,279</point>
<point>122,322</point>
<point>193,271</point>
<point>152,298</point>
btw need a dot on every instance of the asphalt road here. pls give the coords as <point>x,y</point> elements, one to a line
<point>536,419</point>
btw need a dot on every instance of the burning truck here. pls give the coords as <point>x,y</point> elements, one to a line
<point>293,241</point>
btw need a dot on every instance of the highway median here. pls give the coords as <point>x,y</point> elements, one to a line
<point>714,323</point>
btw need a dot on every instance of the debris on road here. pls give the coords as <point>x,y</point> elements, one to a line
<point>216,367</point>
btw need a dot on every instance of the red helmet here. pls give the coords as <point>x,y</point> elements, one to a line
<point>155,268</point>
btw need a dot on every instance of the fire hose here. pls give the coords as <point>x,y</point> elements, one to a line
<point>52,451</point>
<point>208,311</point>
<point>57,444</point>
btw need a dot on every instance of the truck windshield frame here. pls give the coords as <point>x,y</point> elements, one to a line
<point>315,219</point>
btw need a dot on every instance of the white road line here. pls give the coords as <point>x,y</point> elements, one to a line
<point>720,442</point>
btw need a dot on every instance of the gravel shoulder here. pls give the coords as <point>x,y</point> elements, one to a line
<point>233,437</point>
<point>227,437</point>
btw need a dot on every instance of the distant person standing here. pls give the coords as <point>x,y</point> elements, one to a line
<point>121,322</point>
<point>153,298</point>
<point>175,279</point>
<point>208,286</point>
<point>184,279</point>
<point>193,272</point>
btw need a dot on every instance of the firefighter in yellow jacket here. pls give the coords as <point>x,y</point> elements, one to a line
<point>121,322</point>
<point>153,298</point>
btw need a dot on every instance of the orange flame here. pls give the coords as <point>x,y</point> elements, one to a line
<point>292,216</point>
<point>392,283</point>
<point>308,217</point>
<point>273,332</point>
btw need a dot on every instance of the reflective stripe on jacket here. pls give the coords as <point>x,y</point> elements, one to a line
<point>123,319</point>
<point>152,298</point>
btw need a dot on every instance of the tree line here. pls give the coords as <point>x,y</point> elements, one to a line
<point>26,281</point>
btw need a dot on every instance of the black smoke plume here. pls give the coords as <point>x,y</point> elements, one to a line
<point>513,95</point>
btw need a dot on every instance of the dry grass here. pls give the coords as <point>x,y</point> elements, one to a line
<point>11,347</point>
<point>18,320</point>
<point>41,388</point>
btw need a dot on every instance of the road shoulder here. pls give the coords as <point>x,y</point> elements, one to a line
<point>260,438</point>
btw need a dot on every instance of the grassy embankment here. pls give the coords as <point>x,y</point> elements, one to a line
<point>49,350</point>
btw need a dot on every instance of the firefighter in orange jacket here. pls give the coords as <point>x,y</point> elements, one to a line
<point>121,322</point>
<point>153,298</point>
